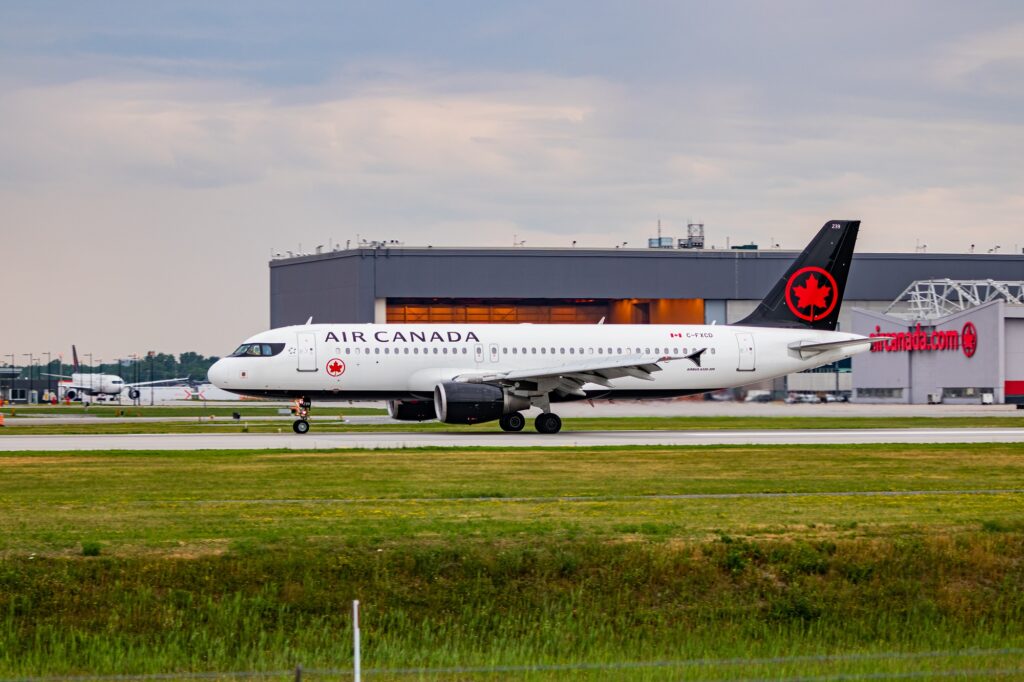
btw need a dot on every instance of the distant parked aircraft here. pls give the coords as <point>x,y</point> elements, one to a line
<point>95,385</point>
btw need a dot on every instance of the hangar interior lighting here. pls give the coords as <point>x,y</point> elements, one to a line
<point>930,299</point>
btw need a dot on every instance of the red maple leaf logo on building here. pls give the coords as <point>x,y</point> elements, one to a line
<point>811,294</point>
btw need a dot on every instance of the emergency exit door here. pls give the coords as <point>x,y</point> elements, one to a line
<point>306,343</point>
<point>746,357</point>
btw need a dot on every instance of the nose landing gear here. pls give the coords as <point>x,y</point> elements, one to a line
<point>301,410</point>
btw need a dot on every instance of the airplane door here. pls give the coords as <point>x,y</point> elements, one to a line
<point>306,342</point>
<point>479,351</point>
<point>494,352</point>
<point>746,359</point>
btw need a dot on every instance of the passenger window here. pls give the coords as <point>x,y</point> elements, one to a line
<point>435,351</point>
<point>533,351</point>
<point>572,351</point>
<point>366,350</point>
<point>581,351</point>
<point>406,350</point>
<point>415,351</point>
<point>543,351</point>
<point>347,351</point>
<point>387,351</point>
<point>445,350</point>
<point>619,351</point>
<point>712,351</point>
<point>465,350</point>
<point>524,351</point>
<point>376,351</point>
<point>590,351</point>
<point>505,351</point>
<point>562,351</point>
<point>514,350</point>
<point>600,351</point>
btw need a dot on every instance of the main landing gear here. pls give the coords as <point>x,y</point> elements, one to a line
<point>548,422</point>
<point>512,422</point>
<point>301,410</point>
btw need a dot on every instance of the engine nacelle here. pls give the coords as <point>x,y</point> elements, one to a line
<point>71,394</point>
<point>411,410</point>
<point>133,393</point>
<point>460,403</point>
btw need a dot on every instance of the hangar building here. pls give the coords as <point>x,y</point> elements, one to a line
<point>398,284</point>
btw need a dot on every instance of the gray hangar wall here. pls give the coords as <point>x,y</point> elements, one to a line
<point>344,286</point>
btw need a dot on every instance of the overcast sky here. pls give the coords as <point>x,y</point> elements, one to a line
<point>153,155</point>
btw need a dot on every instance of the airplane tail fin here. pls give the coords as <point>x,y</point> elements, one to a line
<point>74,357</point>
<point>810,293</point>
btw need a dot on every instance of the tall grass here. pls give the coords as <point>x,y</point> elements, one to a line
<point>477,603</point>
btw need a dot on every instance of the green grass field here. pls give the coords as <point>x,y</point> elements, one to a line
<point>880,560</point>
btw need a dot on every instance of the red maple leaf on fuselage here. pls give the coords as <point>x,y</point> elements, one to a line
<point>810,294</point>
<point>334,368</point>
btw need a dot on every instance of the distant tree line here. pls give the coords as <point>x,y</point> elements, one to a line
<point>160,366</point>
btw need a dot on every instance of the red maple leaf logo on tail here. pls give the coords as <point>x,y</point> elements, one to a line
<point>811,294</point>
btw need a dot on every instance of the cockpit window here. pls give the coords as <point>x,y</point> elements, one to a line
<point>258,350</point>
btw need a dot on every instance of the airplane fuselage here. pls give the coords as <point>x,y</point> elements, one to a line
<point>97,384</point>
<point>399,362</point>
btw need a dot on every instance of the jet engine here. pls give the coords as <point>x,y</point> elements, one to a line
<point>70,394</point>
<point>133,393</point>
<point>461,403</point>
<point>411,410</point>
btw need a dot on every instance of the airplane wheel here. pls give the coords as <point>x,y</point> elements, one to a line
<point>548,422</point>
<point>512,422</point>
<point>300,426</point>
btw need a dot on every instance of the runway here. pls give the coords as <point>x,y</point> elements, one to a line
<point>497,439</point>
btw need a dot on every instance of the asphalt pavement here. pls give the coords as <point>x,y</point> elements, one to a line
<point>498,439</point>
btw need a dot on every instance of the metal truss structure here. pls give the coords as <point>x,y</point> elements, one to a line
<point>929,299</point>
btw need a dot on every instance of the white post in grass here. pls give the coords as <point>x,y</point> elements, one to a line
<point>356,667</point>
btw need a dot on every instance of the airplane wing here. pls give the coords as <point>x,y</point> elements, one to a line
<point>569,378</point>
<point>59,376</point>
<point>154,383</point>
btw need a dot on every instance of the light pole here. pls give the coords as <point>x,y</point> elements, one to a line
<point>150,355</point>
<point>31,384</point>
<point>48,377</point>
<point>10,393</point>
<point>135,375</point>
<point>89,355</point>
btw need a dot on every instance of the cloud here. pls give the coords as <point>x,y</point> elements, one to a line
<point>990,61</point>
<point>177,169</point>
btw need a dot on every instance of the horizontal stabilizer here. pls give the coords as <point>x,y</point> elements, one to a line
<point>809,349</point>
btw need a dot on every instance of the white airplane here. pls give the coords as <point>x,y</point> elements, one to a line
<point>465,374</point>
<point>101,385</point>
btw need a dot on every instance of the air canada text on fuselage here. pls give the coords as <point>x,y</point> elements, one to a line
<point>407,336</point>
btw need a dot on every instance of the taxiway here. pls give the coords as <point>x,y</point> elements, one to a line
<point>497,439</point>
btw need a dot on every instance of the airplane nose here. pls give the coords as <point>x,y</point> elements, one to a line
<point>217,374</point>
